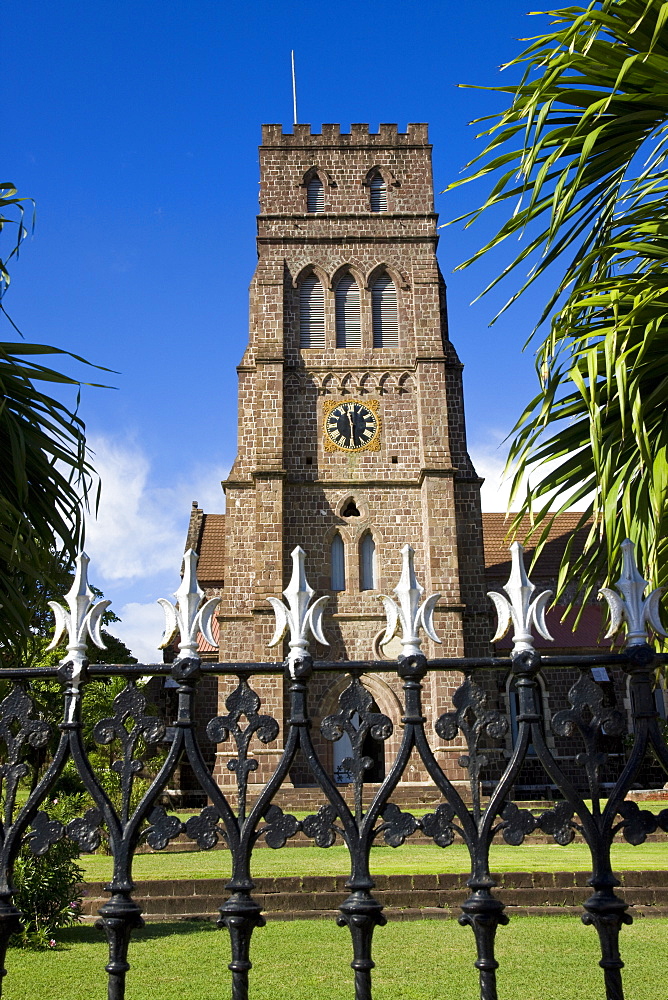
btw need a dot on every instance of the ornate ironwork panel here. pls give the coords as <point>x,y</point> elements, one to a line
<point>595,811</point>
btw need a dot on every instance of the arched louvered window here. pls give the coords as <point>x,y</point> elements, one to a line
<point>347,301</point>
<point>378,194</point>
<point>311,313</point>
<point>367,563</point>
<point>384,312</point>
<point>338,564</point>
<point>315,195</point>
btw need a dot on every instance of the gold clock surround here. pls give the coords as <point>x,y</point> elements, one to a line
<point>370,404</point>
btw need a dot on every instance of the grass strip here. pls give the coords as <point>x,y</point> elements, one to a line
<point>541,959</point>
<point>409,859</point>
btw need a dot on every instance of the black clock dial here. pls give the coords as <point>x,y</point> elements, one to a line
<point>351,425</point>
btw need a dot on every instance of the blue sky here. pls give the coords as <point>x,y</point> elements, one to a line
<point>134,126</point>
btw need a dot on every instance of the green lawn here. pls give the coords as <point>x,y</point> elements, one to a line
<point>541,959</point>
<point>384,861</point>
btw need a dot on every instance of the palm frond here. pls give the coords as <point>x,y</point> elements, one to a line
<point>46,478</point>
<point>589,186</point>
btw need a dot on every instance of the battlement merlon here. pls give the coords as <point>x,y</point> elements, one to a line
<point>416,134</point>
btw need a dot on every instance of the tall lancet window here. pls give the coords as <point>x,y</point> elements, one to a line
<point>378,194</point>
<point>347,301</point>
<point>338,564</point>
<point>311,313</point>
<point>315,195</point>
<point>384,312</point>
<point>368,563</point>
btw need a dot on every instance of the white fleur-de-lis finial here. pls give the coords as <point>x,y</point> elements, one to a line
<point>298,616</point>
<point>408,611</point>
<point>518,609</point>
<point>631,607</point>
<point>84,618</point>
<point>189,616</point>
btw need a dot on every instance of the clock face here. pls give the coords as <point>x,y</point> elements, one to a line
<point>352,425</point>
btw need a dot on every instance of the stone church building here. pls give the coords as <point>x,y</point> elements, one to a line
<point>351,432</point>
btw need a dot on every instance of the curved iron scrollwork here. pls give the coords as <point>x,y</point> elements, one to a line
<point>591,718</point>
<point>18,730</point>
<point>476,821</point>
<point>131,727</point>
<point>357,720</point>
<point>243,702</point>
<point>474,720</point>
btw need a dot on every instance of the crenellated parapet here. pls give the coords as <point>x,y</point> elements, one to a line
<point>416,134</point>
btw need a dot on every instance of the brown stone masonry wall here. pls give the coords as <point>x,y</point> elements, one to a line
<point>286,488</point>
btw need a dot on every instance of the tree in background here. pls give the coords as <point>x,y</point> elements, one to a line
<point>580,158</point>
<point>45,475</point>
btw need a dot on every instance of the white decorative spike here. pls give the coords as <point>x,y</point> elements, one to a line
<point>517,608</point>
<point>189,616</point>
<point>298,617</point>
<point>631,607</point>
<point>84,617</point>
<point>407,610</point>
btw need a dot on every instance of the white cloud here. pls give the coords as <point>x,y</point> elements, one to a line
<point>140,528</point>
<point>137,540</point>
<point>489,460</point>
<point>141,628</point>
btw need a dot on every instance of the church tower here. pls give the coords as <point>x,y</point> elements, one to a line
<point>351,422</point>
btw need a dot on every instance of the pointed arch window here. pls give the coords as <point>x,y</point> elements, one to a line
<point>338,564</point>
<point>384,315</point>
<point>378,194</point>
<point>315,195</point>
<point>347,303</point>
<point>368,563</point>
<point>311,312</point>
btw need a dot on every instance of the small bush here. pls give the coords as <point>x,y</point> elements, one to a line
<point>47,890</point>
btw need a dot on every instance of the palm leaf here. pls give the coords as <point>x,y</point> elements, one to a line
<point>589,188</point>
<point>46,478</point>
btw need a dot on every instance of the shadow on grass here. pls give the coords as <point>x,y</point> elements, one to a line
<point>88,934</point>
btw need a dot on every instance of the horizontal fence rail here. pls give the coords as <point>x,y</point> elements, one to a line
<point>230,817</point>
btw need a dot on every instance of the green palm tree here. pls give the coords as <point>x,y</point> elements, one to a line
<point>45,475</point>
<point>580,162</point>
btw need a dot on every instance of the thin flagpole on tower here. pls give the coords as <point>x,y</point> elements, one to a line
<point>294,90</point>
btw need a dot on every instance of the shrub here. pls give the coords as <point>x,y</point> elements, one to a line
<point>47,886</point>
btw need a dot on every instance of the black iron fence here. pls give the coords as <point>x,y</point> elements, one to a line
<point>597,814</point>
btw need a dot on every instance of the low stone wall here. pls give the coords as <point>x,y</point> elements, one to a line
<point>404,897</point>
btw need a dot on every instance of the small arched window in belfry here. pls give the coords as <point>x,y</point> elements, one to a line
<point>384,316</point>
<point>311,312</point>
<point>315,195</point>
<point>347,302</point>
<point>367,563</point>
<point>378,194</point>
<point>350,510</point>
<point>338,564</point>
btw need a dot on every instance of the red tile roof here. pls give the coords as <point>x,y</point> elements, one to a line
<point>497,555</point>
<point>204,647</point>
<point>211,548</point>
<point>588,635</point>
